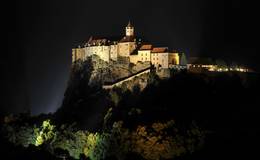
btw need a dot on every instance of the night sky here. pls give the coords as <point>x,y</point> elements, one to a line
<point>42,33</point>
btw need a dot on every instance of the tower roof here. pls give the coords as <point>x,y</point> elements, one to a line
<point>128,39</point>
<point>129,24</point>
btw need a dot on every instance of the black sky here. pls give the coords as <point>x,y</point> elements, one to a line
<point>42,33</point>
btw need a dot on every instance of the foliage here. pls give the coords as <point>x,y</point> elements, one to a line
<point>153,78</point>
<point>183,59</point>
<point>134,111</point>
<point>21,135</point>
<point>30,134</point>
<point>221,63</point>
<point>44,134</point>
<point>156,143</point>
<point>195,137</point>
<point>107,117</point>
<point>73,142</point>
<point>97,146</point>
<point>115,97</point>
<point>120,140</point>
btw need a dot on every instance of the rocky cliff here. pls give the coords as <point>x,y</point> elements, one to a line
<point>103,71</point>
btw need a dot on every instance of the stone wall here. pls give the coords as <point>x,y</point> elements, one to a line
<point>78,54</point>
<point>125,48</point>
<point>127,79</point>
<point>114,52</point>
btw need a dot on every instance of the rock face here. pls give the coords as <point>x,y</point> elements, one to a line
<point>138,83</point>
<point>84,96</point>
<point>111,71</point>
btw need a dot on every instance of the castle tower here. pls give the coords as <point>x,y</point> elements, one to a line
<point>129,29</point>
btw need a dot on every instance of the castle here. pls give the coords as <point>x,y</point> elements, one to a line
<point>128,48</point>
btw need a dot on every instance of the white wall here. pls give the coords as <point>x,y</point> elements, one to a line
<point>129,31</point>
<point>144,55</point>
<point>160,59</point>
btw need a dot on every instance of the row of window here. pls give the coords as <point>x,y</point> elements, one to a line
<point>143,54</point>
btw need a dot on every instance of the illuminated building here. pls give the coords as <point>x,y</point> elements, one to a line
<point>127,47</point>
<point>196,64</point>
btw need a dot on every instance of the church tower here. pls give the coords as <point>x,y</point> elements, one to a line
<point>129,29</point>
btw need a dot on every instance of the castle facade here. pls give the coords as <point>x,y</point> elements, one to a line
<point>127,47</point>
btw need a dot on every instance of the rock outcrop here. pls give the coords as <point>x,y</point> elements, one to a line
<point>112,71</point>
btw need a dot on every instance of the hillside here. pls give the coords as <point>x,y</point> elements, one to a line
<point>188,116</point>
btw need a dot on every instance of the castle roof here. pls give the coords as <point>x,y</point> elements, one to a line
<point>128,39</point>
<point>146,47</point>
<point>97,41</point>
<point>160,50</point>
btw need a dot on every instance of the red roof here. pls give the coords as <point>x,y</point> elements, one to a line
<point>160,50</point>
<point>146,47</point>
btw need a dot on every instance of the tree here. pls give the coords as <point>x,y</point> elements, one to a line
<point>44,134</point>
<point>221,63</point>
<point>23,135</point>
<point>183,59</point>
<point>154,142</point>
<point>115,98</point>
<point>73,142</point>
<point>107,118</point>
<point>97,146</point>
<point>153,78</point>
